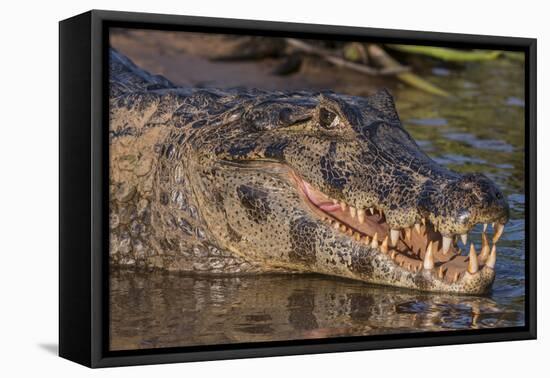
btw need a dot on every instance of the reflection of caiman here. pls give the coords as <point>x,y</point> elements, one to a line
<point>190,309</point>
<point>251,181</point>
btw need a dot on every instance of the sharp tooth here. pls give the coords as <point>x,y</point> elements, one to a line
<point>393,254</point>
<point>464,238</point>
<point>384,246</point>
<point>371,210</point>
<point>336,225</point>
<point>423,221</point>
<point>343,206</point>
<point>352,211</point>
<point>394,235</point>
<point>335,202</point>
<point>357,236</point>
<point>455,277</point>
<point>381,213</point>
<point>430,247</point>
<point>499,229</point>
<point>472,263</point>
<point>349,232</point>
<point>484,247</point>
<point>484,227</point>
<point>343,228</point>
<point>374,243</point>
<point>491,261</point>
<point>446,244</point>
<point>408,232</point>
<point>417,228</point>
<point>429,257</point>
<point>367,240</point>
<point>361,215</point>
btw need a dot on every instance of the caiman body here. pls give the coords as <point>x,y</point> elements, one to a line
<point>243,181</point>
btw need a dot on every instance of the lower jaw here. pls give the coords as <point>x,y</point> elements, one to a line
<point>428,281</point>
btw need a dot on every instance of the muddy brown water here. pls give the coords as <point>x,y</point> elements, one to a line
<point>479,129</point>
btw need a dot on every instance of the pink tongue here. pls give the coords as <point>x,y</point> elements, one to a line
<point>325,206</point>
<point>329,206</point>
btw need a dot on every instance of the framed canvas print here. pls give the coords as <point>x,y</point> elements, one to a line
<point>233,188</point>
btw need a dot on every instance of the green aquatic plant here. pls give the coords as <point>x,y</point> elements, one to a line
<point>517,56</point>
<point>447,54</point>
<point>383,59</point>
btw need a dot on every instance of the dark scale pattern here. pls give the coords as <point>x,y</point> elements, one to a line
<point>234,236</point>
<point>302,239</point>
<point>276,150</point>
<point>255,202</point>
<point>333,170</point>
<point>202,180</point>
<point>362,264</point>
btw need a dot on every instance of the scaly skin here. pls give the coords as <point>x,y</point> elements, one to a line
<point>213,181</point>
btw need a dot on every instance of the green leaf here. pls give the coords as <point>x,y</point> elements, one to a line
<point>382,58</point>
<point>447,54</point>
<point>515,55</point>
<point>419,83</point>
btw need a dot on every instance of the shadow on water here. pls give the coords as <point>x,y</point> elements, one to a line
<point>480,128</point>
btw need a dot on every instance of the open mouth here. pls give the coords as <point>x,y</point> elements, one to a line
<point>419,247</point>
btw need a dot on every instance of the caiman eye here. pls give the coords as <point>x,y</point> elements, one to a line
<point>328,120</point>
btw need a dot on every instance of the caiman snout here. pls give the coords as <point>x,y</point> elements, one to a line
<point>487,197</point>
<point>457,206</point>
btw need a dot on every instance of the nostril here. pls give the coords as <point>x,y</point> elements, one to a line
<point>499,195</point>
<point>478,196</point>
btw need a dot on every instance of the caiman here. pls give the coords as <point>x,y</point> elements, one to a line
<point>251,181</point>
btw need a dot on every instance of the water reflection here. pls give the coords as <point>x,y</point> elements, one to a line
<point>151,310</point>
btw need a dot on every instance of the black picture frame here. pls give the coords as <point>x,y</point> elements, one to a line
<point>83,181</point>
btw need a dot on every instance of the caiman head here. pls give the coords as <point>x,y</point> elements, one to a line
<point>334,184</point>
